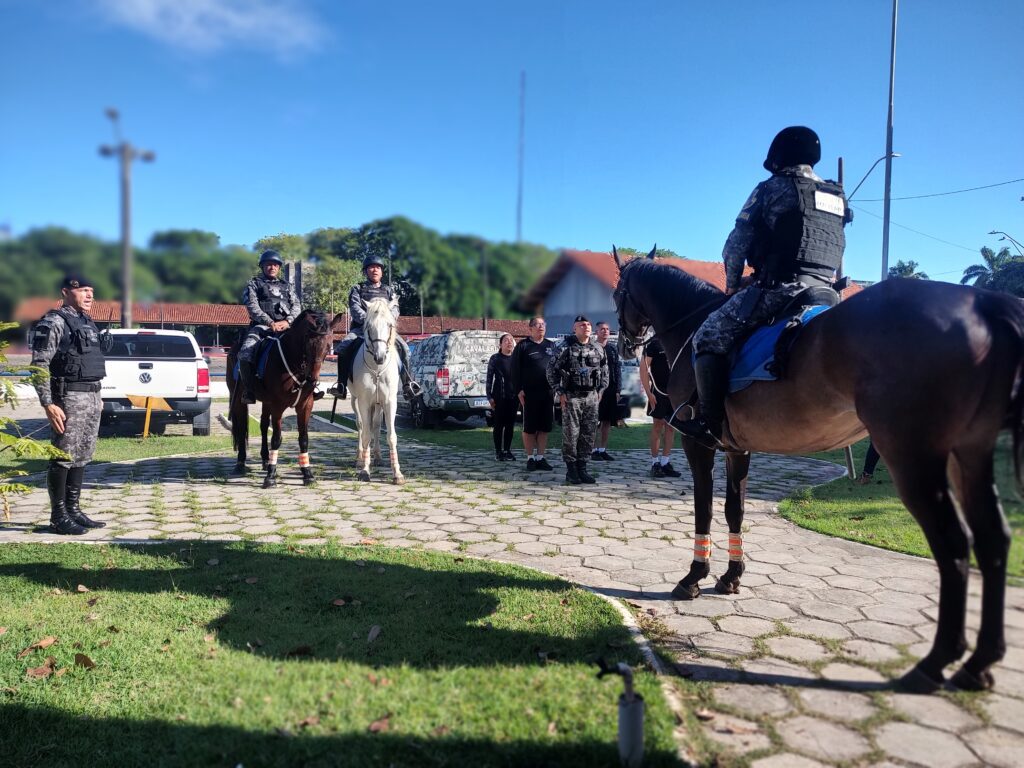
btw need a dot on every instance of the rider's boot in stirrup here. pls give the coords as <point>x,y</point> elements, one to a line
<point>247,376</point>
<point>712,372</point>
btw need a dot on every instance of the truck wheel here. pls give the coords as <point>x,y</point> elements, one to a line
<point>201,424</point>
<point>420,415</point>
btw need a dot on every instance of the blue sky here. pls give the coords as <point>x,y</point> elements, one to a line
<point>645,122</point>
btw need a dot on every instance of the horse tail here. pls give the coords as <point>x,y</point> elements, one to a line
<point>1008,311</point>
<point>238,411</point>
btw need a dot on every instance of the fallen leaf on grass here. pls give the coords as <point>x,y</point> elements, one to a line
<point>529,617</point>
<point>237,703</point>
<point>3,630</point>
<point>382,724</point>
<point>857,518</point>
<point>367,542</point>
<point>300,650</point>
<point>208,638</point>
<point>58,591</point>
<point>165,648</point>
<point>374,633</point>
<point>92,617</point>
<point>86,567</point>
<point>46,642</point>
<point>704,714</point>
<point>82,588</point>
<point>81,660</point>
<point>552,728</point>
<point>377,680</point>
<point>113,629</point>
<point>338,602</point>
<point>92,601</point>
<point>61,672</point>
<point>104,643</point>
<point>441,730</point>
<point>251,580</point>
<point>45,670</point>
<point>308,721</point>
<point>213,561</point>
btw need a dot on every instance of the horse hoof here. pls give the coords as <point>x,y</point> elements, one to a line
<point>363,475</point>
<point>965,680</point>
<point>684,591</point>
<point>724,587</point>
<point>240,469</point>
<point>917,681</point>
<point>398,480</point>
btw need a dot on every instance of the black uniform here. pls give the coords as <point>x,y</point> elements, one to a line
<point>529,375</point>
<point>659,373</point>
<point>608,406</point>
<point>506,401</point>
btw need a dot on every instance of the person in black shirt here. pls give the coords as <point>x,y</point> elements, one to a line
<point>504,401</point>
<point>654,372</point>
<point>529,380</point>
<point>608,405</point>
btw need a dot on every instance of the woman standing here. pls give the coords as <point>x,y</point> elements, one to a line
<point>504,402</point>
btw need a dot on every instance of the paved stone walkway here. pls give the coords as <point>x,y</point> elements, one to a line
<point>799,662</point>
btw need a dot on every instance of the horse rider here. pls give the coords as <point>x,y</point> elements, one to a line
<point>273,306</point>
<point>370,289</point>
<point>791,232</point>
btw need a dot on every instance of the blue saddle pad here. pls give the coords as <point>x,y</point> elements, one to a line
<point>758,352</point>
<point>262,355</point>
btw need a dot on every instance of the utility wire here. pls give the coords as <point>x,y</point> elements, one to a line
<point>943,194</point>
<point>917,232</point>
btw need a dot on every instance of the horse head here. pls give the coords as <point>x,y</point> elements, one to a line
<point>314,333</point>
<point>634,325</point>
<point>379,330</point>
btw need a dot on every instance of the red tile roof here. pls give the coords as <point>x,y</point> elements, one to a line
<point>30,310</point>
<point>602,266</point>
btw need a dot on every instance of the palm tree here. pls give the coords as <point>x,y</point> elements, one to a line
<point>983,274</point>
<point>907,269</point>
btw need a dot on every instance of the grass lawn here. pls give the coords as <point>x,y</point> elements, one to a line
<point>124,448</point>
<point>473,438</point>
<point>874,514</point>
<point>238,654</point>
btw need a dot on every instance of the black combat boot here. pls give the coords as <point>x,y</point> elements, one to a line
<point>712,373</point>
<point>585,477</point>
<point>247,378</point>
<point>56,484</point>
<point>571,475</point>
<point>72,500</point>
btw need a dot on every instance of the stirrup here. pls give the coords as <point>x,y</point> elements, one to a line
<point>699,430</point>
<point>412,389</point>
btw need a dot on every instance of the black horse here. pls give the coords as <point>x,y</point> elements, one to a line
<point>292,371</point>
<point>931,370</point>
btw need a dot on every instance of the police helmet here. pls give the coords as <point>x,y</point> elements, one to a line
<point>796,145</point>
<point>370,260</point>
<point>271,257</point>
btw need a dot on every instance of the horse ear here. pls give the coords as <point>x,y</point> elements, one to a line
<point>654,250</point>
<point>618,261</point>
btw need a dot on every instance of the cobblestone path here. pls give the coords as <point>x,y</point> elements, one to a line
<point>800,661</point>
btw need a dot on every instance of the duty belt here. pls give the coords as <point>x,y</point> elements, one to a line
<point>83,386</point>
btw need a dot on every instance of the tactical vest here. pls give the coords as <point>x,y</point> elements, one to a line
<point>583,368</point>
<point>272,296</point>
<point>368,292</point>
<point>807,243</point>
<point>79,357</point>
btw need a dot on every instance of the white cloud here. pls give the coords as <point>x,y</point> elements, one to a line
<point>285,27</point>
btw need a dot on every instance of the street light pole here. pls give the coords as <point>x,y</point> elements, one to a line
<point>865,177</point>
<point>888,147</point>
<point>126,153</point>
<point>1007,237</point>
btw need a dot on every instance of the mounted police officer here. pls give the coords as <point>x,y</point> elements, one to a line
<point>67,343</point>
<point>577,374</point>
<point>273,306</point>
<point>358,297</point>
<point>791,232</point>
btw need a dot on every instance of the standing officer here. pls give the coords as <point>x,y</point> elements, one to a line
<point>67,343</point>
<point>608,405</point>
<point>273,306</point>
<point>791,232</point>
<point>577,374</point>
<point>369,289</point>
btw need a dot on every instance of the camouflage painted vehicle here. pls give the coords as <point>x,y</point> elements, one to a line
<point>452,369</point>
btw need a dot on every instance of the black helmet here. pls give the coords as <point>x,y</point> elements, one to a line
<point>271,257</point>
<point>795,145</point>
<point>369,260</point>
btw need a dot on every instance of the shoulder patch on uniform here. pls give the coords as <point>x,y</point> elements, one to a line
<point>41,334</point>
<point>748,206</point>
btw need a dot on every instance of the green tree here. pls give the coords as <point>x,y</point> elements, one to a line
<point>980,275</point>
<point>1009,278</point>
<point>329,286</point>
<point>291,247</point>
<point>907,269</point>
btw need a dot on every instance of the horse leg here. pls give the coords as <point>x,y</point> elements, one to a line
<point>737,466</point>
<point>924,488</point>
<point>398,477</point>
<point>270,480</point>
<point>980,505</point>
<point>702,467</point>
<point>365,436</point>
<point>302,413</point>
<point>264,428</point>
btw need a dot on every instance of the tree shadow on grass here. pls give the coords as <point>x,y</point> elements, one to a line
<point>322,605</point>
<point>37,736</point>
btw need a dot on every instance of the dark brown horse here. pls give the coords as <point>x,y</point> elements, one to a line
<point>292,372</point>
<point>931,370</point>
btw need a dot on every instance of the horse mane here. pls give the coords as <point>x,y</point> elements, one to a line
<point>672,284</point>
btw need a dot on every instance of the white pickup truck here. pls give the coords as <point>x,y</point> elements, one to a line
<point>156,363</point>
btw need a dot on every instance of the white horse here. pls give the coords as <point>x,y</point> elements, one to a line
<point>375,386</point>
